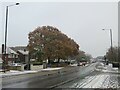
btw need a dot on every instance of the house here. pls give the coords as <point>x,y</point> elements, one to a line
<point>23,53</point>
<point>12,55</point>
<point>17,54</point>
<point>23,56</point>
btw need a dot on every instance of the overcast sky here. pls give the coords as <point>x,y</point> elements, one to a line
<point>81,21</point>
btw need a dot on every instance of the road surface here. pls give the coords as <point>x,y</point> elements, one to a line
<point>70,77</point>
<point>47,81</point>
<point>107,77</point>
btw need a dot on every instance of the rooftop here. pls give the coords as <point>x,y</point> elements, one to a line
<point>24,52</point>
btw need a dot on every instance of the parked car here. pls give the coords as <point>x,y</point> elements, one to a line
<point>81,63</point>
<point>116,64</point>
<point>15,64</point>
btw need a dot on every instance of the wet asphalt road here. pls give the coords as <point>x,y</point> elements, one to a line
<point>53,80</point>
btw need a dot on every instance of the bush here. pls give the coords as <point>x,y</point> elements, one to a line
<point>37,63</point>
<point>56,64</point>
<point>14,68</point>
<point>67,63</point>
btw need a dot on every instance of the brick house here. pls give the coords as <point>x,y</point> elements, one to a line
<point>12,56</point>
<point>17,54</point>
<point>23,56</point>
<point>22,52</point>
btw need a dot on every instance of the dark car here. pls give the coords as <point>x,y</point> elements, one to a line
<point>116,64</point>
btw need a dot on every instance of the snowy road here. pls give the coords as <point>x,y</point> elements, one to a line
<point>98,81</point>
<point>49,79</point>
<point>102,77</point>
<point>95,75</point>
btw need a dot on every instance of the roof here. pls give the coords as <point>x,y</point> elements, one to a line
<point>10,51</point>
<point>23,52</point>
<point>13,50</point>
<point>19,48</point>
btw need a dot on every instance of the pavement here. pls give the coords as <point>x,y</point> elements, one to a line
<point>15,72</point>
<point>107,68</point>
<point>50,78</point>
<point>100,67</point>
<point>104,76</point>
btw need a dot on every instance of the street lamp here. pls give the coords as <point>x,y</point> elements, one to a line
<point>110,38</point>
<point>6,25</point>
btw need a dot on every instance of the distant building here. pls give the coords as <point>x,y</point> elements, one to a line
<point>17,54</point>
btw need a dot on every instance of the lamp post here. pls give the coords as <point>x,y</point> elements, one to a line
<point>110,38</point>
<point>6,26</point>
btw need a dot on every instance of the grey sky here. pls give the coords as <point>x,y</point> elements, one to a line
<point>81,21</point>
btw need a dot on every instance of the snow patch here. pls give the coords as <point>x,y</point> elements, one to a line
<point>49,69</point>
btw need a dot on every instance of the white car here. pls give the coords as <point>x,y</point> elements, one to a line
<point>15,64</point>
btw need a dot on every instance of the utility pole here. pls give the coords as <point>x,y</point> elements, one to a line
<point>6,27</point>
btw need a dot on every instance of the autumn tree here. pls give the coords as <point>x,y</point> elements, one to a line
<point>48,42</point>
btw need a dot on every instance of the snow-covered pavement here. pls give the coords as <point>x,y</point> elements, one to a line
<point>98,81</point>
<point>106,68</point>
<point>14,72</point>
<point>92,81</point>
<point>108,78</point>
<point>49,69</point>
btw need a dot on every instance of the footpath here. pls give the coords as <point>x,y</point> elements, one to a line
<point>107,68</point>
<point>15,72</point>
<point>109,78</point>
<point>47,71</point>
